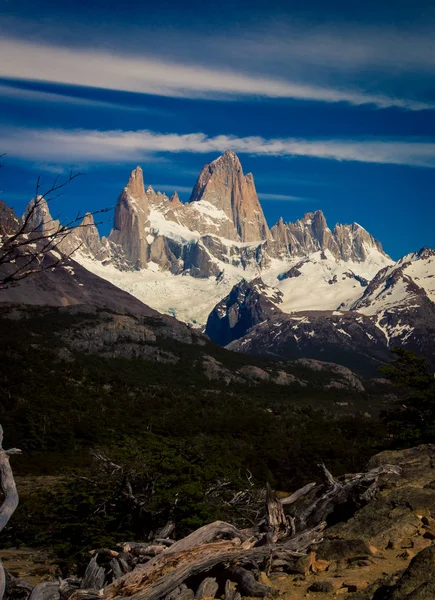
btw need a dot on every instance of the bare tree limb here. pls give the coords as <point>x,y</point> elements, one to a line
<point>23,249</point>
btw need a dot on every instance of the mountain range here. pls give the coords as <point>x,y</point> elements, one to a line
<point>294,290</point>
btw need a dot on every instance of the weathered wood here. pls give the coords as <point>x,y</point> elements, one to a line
<point>353,489</point>
<point>207,588</point>
<point>17,587</point>
<point>302,541</point>
<point>298,494</point>
<point>164,541</point>
<point>231,592</point>
<point>166,531</point>
<point>208,533</point>
<point>2,581</point>
<point>85,595</point>
<point>277,524</point>
<point>116,569</point>
<point>95,576</point>
<point>160,576</point>
<point>248,585</point>
<point>11,497</point>
<point>68,586</point>
<point>175,594</point>
<point>186,594</point>
<point>47,590</point>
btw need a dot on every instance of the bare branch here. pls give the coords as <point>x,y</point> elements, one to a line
<point>37,236</point>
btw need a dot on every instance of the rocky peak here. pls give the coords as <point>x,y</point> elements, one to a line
<point>354,242</point>
<point>40,218</point>
<point>87,233</point>
<point>426,252</point>
<point>9,222</point>
<point>175,201</point>
<point>135,187</point>
<point>311,234</point>
<point>247,304</point>
<point>223,184</point>
<point>131,218</point>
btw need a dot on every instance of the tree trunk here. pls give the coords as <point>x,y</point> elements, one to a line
<point>11,498</point>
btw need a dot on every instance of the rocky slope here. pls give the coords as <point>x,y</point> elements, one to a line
<point>395,309</point>
<point>248,304</point>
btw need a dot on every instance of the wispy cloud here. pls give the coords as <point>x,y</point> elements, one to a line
<point>281,197</point>
<point>26,94</point>
<point>86,146</point>
<point>150,75</point>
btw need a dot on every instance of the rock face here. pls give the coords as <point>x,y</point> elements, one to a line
<point>39,217</point>
<point>8,220</point>
<point>131,218</point>
<point>245,306</point>
<point>311,233</point>
<point>223,184</point>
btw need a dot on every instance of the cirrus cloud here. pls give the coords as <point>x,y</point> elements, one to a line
<point>34,61</point>
<point>117,146</point>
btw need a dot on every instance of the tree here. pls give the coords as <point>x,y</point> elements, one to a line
<point>413,421</point>
<point>37,242</point>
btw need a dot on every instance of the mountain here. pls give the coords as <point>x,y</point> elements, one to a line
<point>214,263</point>
<point>248,304</point>
<point>395,309</point>
<point>166,253</point>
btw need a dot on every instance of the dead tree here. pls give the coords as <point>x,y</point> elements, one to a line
<point>24,243</point>
<point>10,501</point>
<point>219,548</point>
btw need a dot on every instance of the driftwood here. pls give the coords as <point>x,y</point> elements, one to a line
<point>215,558</point>
<point>16,587</point>
<point>207,588</point>
<point>231,592</point>
<point>47,590</point>
<point>356,489</point>
<point>11,498</point>
<point>277,524</point>
<point>248,585</point>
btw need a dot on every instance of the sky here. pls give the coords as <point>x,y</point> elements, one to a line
<point>331,105</point>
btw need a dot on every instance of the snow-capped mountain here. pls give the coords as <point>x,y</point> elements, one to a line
<point>182,259</point>
<point>299,289</point>
<point>395,309</point>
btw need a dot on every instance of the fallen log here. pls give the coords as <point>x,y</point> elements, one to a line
<point>248,585</point>
<point>47,590</point>
<point>16,587</point>
<point>231,592</point>
<point>356,489</point>
<point>207,588</point>
<point>209,533</point>
<point>160,576</point>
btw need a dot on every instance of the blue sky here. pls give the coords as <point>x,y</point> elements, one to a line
<point>330,105</point>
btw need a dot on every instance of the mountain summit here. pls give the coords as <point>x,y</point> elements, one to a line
<point>223,184</point>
